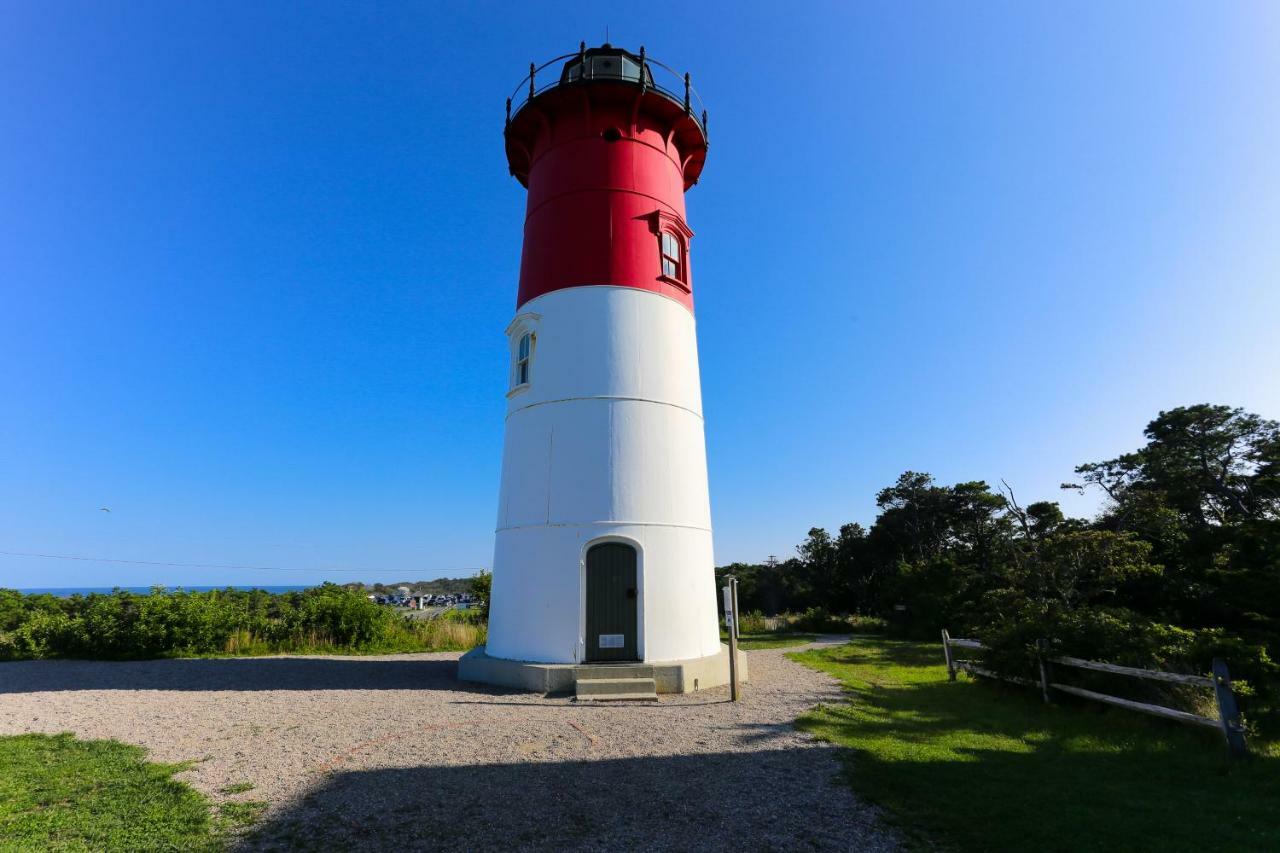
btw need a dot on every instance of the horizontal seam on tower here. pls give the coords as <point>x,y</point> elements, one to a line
<point>631,139</point>
<point>524,306</point>
<point>697,415</point>
<point>597,523</point>
<point>529,215</point>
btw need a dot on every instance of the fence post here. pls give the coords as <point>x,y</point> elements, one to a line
<point>1228,710</point>
<point>1042,654</point>
<point>946,651</point>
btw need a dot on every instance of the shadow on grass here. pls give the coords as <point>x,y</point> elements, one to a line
<point>761,800</point>
<point>276,673</point>
<point>982,766</point>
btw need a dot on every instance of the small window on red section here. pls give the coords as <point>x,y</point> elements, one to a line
<point>673,248</point>
<point>672,256</point>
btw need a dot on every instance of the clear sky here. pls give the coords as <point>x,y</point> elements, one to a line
<point>256,260</point>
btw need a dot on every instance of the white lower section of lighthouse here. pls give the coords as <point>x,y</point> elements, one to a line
<point>604,444</point>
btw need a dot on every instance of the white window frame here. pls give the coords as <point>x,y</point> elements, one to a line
<point>676,260</point>
<point>663,224</point>
<point>523,327</point>
<point>524,359</point>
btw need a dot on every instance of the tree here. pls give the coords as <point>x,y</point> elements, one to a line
<point>1205,493</point>
<point>482,588</point>
<point>859,573</point>
<point>1211,464</point>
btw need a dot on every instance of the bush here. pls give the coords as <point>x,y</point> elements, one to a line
<point>125,626</point>
<point>860,624</point>
<point>1120,636</point>
<point>753,623</point>
<point>818,620</point>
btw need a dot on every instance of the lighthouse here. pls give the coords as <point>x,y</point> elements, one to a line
<point>603,556</point>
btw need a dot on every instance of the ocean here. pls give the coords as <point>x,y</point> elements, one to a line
<point>68,591</point>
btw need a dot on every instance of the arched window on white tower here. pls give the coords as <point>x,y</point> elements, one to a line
<point>524,360</point>
<point>672,256</point>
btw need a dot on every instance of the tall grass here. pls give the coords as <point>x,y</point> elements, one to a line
<point>441,634</point>
<point>815,620</point>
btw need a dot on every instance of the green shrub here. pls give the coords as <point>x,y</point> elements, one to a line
<point>752,623</point>
<point>1120,636</point>
<point>818,620</point>
<point>125,626</point>
<point>860,624</point>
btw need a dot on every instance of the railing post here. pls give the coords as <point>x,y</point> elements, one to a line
<point>946,652</point>
<point>508,124</point>
<point>644,79</point>
<point>1042,658</point>
<point>706,134</point>
<point>532,70</point>
<point>687,108</point>
<point>1228,710</point>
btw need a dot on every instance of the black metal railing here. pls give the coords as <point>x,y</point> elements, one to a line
<point>668,82</point>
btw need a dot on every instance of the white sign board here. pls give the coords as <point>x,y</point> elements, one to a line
<point>728,607</point>
<point>612,641</point>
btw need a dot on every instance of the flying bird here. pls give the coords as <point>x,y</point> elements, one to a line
<point>104,509</point>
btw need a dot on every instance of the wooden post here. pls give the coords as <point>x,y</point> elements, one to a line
<point>731,619</point>
<point>946,652</point>
<point>687,87</point>
<point>733,586</point>
<point>1042,655</point>
<point>533,69</point>
<point>1228,710</point>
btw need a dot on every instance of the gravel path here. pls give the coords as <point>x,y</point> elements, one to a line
<point>393,752</point>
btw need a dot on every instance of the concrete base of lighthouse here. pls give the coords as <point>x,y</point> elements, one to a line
<point>677,676</point>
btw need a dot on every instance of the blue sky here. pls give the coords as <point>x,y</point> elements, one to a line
<point>256,260</point>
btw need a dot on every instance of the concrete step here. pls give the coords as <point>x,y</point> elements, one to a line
<point>613,670</point>
<point>612,689</point>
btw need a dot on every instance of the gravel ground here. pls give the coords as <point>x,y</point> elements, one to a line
<point>393,752</point>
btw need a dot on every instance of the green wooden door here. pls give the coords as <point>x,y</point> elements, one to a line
<point>612,603</point>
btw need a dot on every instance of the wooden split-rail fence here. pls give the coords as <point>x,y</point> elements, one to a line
<point>1228,720</point>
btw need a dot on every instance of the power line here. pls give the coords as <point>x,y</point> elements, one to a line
<point>216,565</point>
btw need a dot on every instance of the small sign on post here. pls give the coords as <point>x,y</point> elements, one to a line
<point>730,593</point>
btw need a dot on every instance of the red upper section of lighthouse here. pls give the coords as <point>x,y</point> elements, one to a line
<point>607,155</point>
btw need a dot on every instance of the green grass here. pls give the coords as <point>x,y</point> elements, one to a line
<point>59,793</point>
<point>235,815</point>
<point>237,788</point>
<point>770,640</point>
<point>978,766</point>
